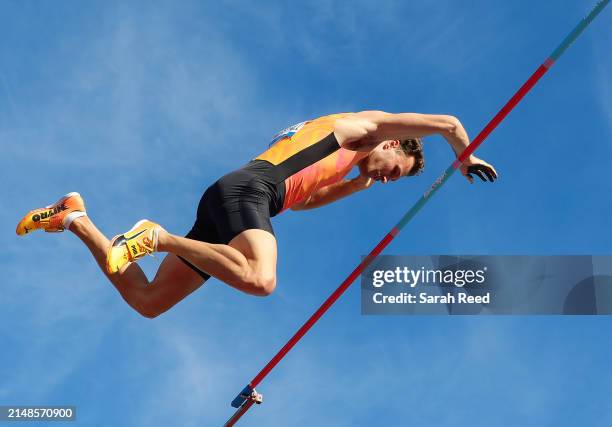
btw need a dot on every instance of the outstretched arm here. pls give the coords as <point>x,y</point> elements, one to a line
<point>365,130</point>
<point>334,192</point>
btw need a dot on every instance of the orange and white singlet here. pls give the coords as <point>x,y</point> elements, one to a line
<point>302,159</point>
<point>308,161</point>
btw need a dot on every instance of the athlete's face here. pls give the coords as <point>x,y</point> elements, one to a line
<point>385,163</point>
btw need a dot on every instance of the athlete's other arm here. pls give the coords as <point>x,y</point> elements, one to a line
<point>365,130</point>
<point>334,192</point>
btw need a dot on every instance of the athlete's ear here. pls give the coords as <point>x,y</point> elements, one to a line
<point>391,144</point>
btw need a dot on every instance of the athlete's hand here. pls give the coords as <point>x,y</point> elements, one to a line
<point>362,182</point>
<point>356,134</point>
<point>478,167</point>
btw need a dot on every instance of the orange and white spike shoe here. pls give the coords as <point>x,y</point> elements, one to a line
<point>141,240</point>
<point>53,218</point>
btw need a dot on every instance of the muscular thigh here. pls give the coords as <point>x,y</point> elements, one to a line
<point>259,248</point>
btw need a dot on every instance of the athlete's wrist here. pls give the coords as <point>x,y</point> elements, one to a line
<point>360,183</point>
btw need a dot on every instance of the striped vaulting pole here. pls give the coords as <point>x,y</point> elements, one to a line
<point>245,397</point>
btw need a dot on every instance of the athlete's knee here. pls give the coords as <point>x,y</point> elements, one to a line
<point>146,307</point>
<point>140,300</point>
<point>149,312</point>
<point>262,284</point>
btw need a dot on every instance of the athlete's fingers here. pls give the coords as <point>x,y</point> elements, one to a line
<point>493,171</point>
<point>477,173</point>
<point>490,172</point>
<point>479,170</point>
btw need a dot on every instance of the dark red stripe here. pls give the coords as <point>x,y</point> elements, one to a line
<point>503,112</point>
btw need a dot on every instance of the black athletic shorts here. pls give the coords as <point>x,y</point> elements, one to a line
<point>248,197</point>
<point>241,200</point>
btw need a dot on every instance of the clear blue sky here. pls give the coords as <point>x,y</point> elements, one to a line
<point>140,106</point>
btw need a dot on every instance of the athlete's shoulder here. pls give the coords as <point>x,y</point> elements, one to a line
<point>327,120</point>
<point>373,115</point>
<point>322,122</point>
<point>335,116</point>
<point>370,114</point>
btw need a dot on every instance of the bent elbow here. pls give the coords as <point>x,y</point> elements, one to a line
<point>449,125</point>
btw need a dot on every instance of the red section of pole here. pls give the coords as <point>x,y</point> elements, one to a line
<point>321,310</point>
<point>387,239</point>
<point>499,117</point>
<point>505,110</point>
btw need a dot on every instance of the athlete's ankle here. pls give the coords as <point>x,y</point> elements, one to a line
<point>79,224</point>
<point>162,240</point>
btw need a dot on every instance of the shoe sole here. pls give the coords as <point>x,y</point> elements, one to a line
<point>64,198</point>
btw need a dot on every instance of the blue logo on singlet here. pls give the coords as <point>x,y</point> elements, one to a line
<point>287,133</point>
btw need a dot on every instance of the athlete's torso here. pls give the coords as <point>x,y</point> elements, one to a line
<point>312,173</point>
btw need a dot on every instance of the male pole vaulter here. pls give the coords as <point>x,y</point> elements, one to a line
<point>232,238</point>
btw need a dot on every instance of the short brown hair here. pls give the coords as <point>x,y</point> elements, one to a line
<point>413,147</point>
